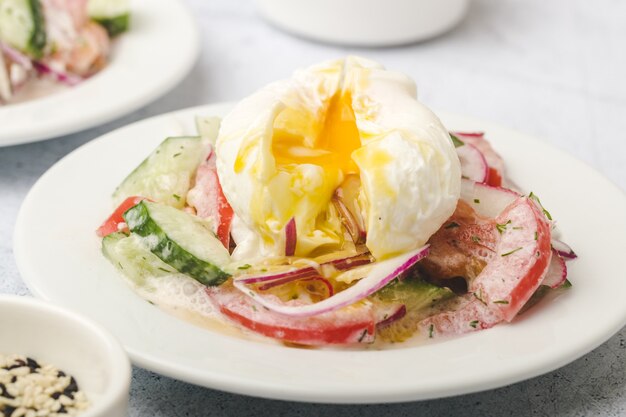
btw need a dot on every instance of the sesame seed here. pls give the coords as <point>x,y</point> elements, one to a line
<point>32,389</point>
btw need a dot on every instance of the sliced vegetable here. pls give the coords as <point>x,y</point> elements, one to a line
<point>60,76</point>
<point>382,273</point>
<point>495,161</point>
<point>557,271</point>
<point>473,163</point>
<point>208,128</point>
<point>114,15</point>
<point>350,325</point>
<point>6,90</point>
<point>131,256</point>
<point>563,249</point>
<point>466,314</point>
<point>346,202</point>
<point>523,256</point>
<point>22,26</point>
<point>299,273</point>
<point>486,200</point>
<point>417,297</point>
<point>165,176</point>
<point>112,224</point>
<point>181,240</point>
<point>291,237</point>
<point>208,199</point>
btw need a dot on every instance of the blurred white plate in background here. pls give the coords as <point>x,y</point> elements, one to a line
<point>147,61</point>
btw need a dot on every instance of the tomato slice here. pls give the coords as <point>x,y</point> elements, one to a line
<point>111,225</point>
<point>354,324</point>
<point>209,201</point>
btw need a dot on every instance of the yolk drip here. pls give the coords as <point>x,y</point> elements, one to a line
<point>337,138</point>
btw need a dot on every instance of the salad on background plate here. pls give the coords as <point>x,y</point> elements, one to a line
<point>334,209</point>
<point>48,44</point>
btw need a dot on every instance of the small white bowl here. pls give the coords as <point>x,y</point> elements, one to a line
<point>365,22</point>
<point>71,343</point>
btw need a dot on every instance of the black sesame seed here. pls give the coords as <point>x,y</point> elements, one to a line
<point>72,387</point>
<point>56,395</point>
<point>32,364</point>
<point>8,410</point>
<point>13,379</point>
<point>60,374</point>
<point>18,364</point>
<point>4,393</point>
<point>62,410</point>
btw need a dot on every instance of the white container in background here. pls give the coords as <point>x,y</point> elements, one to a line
<point>364,22</point>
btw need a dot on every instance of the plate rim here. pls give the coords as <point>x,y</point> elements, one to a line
<point>286,392</point>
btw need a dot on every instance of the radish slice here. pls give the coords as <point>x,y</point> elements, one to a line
<point>557,271</point>
<point>62,77</point>
<point>473,163</point>
<point>486,200</point>
<point>563,249</point>
<point>291,236</point>
<point>309,271</point>
<point>478,140</point>
<point>395,313</point>
<point>381,275</point>
<point>480,135</point>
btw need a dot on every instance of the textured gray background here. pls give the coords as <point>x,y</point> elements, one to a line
<point>554,69</point>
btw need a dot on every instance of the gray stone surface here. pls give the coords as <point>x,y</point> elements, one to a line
<point>553,69</point>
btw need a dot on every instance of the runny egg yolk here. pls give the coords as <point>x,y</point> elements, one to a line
<point>337,137</point>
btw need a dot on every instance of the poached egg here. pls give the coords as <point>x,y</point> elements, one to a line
<point>284,151</point>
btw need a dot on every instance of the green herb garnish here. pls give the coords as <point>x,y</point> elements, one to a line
<point>452,225</point>
<point>246,266</point>
<point>513,251</point>
<point>534,197</point>
<point>431,329</point>
<point>474,323</point>
<point>477,201</point>
<point>475,239</point>
<point>502,227</point>
<point>176,196</point>
<point>501,302</point>
<point>457,142</point>
<point>176,154</point>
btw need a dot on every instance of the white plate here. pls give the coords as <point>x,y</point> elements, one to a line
<point>58,255</point>
<point>147,61</point>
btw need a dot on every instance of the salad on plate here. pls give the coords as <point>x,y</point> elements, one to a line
<point>48,44</point>
<point>333,208</point>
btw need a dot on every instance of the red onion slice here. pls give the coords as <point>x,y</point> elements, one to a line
<point>557,271</point>
<point>323,280</point>
<point>62,77</point>
<point>380,275</point>
<point>291,237</point>
<point>485,199</point>
<point>473,163</point>
<point>16,56</point>
<point>308,271</point>
<point>563,249</point>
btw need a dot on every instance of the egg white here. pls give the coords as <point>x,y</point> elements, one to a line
<point>409,170</point>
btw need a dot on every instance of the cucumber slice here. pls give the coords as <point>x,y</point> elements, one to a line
<point>181,240</point>
<point>131,256</point>
<point>114,15</point>
<point>165,176</point>
<point>420,299</point>
<point>208,128</point>
<point>22,26</point>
